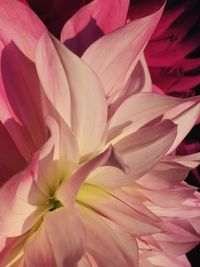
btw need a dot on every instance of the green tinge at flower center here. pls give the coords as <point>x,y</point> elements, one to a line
<point>54,204</point>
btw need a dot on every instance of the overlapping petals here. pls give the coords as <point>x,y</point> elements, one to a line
<point>94,163</point>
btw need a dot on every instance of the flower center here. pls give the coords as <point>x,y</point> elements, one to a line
<point>54,204</point>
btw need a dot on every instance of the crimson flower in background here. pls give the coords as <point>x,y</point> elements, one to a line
<point>173,57</point>
<point>89,176</point>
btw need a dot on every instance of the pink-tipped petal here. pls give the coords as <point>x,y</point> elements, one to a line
<point>83,108</point>
<point>92,21</point>
<point>114,69</point>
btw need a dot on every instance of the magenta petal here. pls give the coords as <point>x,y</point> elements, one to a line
<point>22,111</point>
<point>20,25</point>
<point>11,161</point>
<point>92,21</point>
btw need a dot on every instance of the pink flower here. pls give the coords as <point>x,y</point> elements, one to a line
<point>88,173</point>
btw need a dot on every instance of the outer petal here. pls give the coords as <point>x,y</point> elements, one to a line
<point>61,74</point>
<point>92,21</point>
<point>20,25</point>
<point>11,161</point>
<point>114,69</point>
<point>21,107</point>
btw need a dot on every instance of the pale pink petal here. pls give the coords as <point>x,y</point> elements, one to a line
<point>107,176</point>
<point>137,111</point>
<point>185,120</point>
<point>190,161</point>
<point>38,251</point>
<point>146,147</point>
<point>83,108</point>
<point>170,197</point>
<point>108,243</point>
<point>19,196</point>
<point>87,261</point>
<point>11,250</point>
<point>58,157</point>
<point>92,21</point>
<point>114,69</point>
<point>176,240</point>
<point>21,112</point>
<point>139,81</point>
<point>164,175</point>
<point>66,193</point>
<point>110,206</point>
<point>164,260</point>
<point>70,248</point>
<point>20,25</point>
<point>46,248</point>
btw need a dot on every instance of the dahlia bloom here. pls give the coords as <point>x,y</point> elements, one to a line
<point>88,171</point>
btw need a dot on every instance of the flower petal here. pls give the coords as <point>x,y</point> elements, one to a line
<point>11,161</point>
<point>61,74</point>
<point>20,25</point>
<point>38,251</point>
<point>185,120</point>
<point>18,214</point>
<point>106,239</point>
<point>146,147</point>
<point>22,112</point>
<point>114,69</point>
<point>164,175</point>
<point>68,190</point>
<point>139,81</point>
<point>91,22</point>
<point>70,248</point>
<point>137,111</point>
